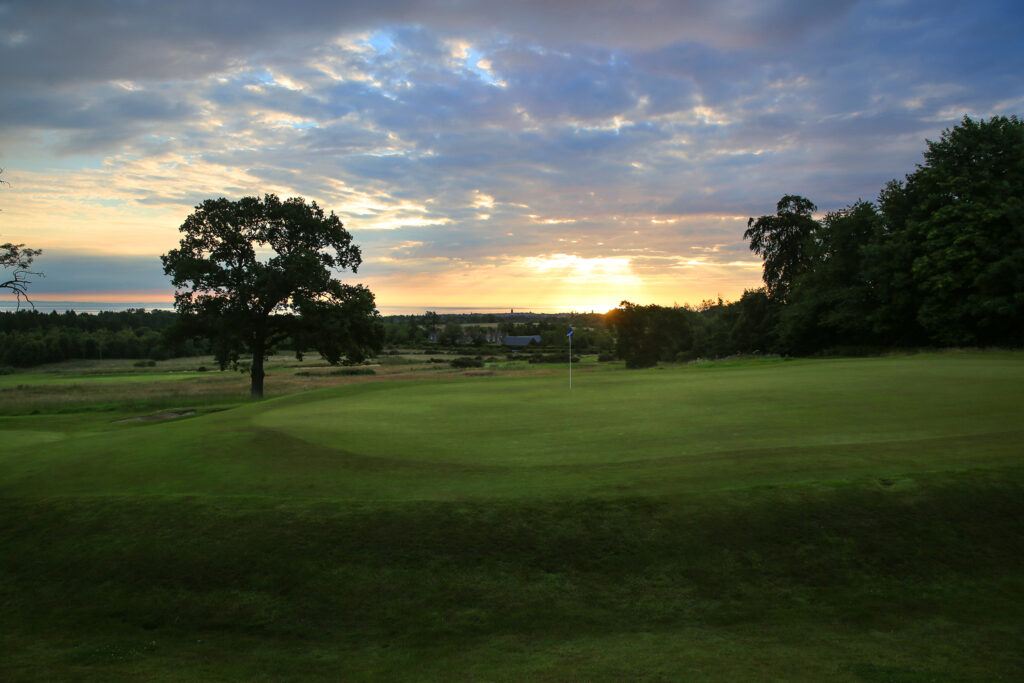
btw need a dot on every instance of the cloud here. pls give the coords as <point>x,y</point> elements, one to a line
<point>598,130</point>
<point>77,270</point>
<point>192,39</point>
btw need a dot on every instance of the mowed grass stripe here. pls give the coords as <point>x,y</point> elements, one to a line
<point>616,433</point>
<point>825,583</point>
<point>537,421</point>
<point>261,543</point>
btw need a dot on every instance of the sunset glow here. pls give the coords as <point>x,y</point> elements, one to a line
<point>554,156</point>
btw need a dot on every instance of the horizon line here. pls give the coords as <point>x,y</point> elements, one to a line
<point>98,306</point>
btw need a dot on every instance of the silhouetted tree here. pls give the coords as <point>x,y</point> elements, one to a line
<point>965,213</point>
<point>250,273</point>
<point>647,334</point>
<point>784,242</point>
<point>430,321</point>
<point>754,327</point>
<point>451,334</point>
<point>829,303</point>
<point>18,259</point>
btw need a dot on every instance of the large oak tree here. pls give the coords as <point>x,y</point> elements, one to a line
<point>252,272</point>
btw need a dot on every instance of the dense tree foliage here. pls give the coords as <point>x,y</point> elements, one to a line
<point>937,261</point>
<point>784,241</point>
<point>30,338</point>
<point>965,215</point>
<point>254,272</point>
<point>646,335</point>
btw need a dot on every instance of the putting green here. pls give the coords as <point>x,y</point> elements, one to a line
<point>18,438</point>
<point>523,422</point>
<point>615,433</point>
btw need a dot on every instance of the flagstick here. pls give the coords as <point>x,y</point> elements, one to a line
<point>570,358</point>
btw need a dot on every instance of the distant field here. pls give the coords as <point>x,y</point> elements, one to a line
<point>854,519</point>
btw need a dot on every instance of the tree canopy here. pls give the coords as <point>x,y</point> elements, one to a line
<point>783,241</point>
<point>250,273</point>
<point>938,260</point>
<point>965,213</point>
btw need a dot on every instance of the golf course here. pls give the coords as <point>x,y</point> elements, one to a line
<point>842,519</point>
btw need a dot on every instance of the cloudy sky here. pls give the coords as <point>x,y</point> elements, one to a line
<point>543,154</point>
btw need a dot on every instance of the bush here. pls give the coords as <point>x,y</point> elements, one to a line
<point>6,370</point>
<point>466,362</point>
<point>201,368</point>
<point>353,371</point>
<point>144,364</point>
<point>605,357</point>
<point>347,372</point>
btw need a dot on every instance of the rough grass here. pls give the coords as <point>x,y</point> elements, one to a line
<point>827,520</point>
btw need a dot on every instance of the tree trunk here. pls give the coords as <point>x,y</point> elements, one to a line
<point>256,371</point>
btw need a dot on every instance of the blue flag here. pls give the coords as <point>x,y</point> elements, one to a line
<point>570,332</point>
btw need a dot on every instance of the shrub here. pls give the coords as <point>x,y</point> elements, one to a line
<point>353,371</point>
<point>466,362</point>
<point>6,370</point>
<point>144,363</point>
<point>605,357</point>
<point>347,372</point>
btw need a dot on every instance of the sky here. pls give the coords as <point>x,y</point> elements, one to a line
<point>551,155</point>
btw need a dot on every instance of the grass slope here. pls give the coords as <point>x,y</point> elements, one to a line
<point>848,520</point>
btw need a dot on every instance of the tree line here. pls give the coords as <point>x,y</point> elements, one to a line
<point>480,329</point>
<point>28,337</point>
<point>936,261</point>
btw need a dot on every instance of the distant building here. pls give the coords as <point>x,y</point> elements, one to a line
<point>522,340</point>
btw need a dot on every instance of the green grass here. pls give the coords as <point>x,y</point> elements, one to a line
<point>805,520</point>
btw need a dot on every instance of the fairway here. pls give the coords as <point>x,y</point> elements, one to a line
<point>847,519</point>
<point>686,414</point>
